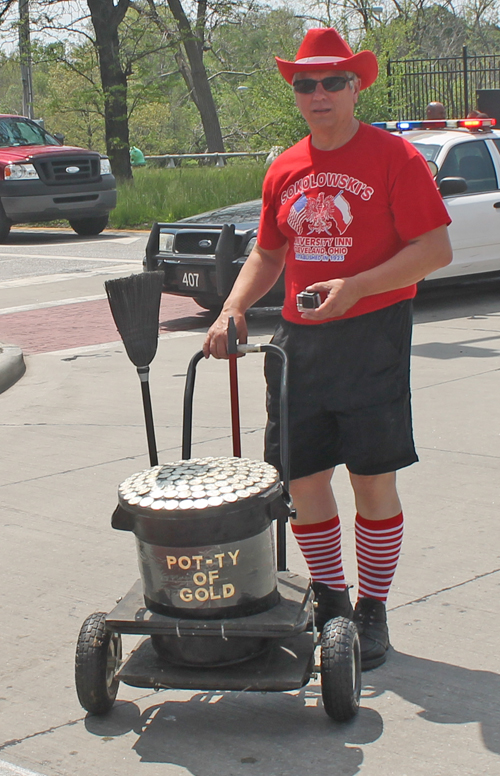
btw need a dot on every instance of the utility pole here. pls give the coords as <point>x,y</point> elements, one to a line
<point>25,58</point>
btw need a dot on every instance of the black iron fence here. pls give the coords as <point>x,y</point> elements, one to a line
<point>454,81</point>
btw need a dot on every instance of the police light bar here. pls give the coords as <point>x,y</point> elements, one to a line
<point>404,126</point>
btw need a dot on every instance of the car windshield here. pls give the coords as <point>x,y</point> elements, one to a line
<point>234,214</point>
<point>429,152</point>
<point>23,132</point>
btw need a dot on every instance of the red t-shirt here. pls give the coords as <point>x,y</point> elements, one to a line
<point>346,211</point>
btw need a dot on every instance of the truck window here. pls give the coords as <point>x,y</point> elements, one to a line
<point>20,132</point>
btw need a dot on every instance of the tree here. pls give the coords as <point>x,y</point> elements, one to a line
<point>106,18</point>
<point>191,36</point>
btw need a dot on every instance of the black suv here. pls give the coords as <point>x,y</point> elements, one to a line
<point>201,256</point>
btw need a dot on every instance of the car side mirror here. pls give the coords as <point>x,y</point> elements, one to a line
<point>432,167</point>
<point>59,137</point>
<point>450,186</point>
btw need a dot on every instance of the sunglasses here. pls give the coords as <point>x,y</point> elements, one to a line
<point>333,83</point>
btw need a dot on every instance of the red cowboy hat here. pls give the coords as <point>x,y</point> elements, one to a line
<point>324,49</point>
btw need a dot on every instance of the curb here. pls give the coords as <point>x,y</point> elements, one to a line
<point>12,366</point>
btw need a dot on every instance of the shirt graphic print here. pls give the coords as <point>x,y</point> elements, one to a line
<point>322,214</point>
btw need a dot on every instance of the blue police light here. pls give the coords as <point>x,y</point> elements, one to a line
<point>470,124</point>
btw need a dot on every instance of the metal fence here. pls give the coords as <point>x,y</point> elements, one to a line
<point>413,83</point>
<point>219,159</point>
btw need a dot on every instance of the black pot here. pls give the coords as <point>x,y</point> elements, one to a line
<point>203,559</point>
<point>208,651</point>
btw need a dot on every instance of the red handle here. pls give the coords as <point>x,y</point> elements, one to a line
<point>235,404</point>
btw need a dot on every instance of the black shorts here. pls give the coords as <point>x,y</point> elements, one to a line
<point>349,394</point>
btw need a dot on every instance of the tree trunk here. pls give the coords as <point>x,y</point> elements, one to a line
<point>106,18</point>
<point>203,97</point>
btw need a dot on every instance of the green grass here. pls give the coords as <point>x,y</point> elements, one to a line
<point>168,194</point>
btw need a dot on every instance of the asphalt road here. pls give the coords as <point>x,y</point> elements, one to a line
<point>52,293</point>
<point>72,430</point>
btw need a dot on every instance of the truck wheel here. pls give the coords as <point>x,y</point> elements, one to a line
<point>5,224</point>
<point>340,669</point>
<point>98,658</point>
<point>89,226</point>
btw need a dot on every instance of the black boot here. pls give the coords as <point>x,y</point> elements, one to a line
<point>330,603</point>
<point>371,621</point>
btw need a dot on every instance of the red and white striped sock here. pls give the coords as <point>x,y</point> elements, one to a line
<point>320,545</point>
<point>378,545</point>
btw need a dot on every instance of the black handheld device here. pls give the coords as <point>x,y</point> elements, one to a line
<point>308,300</point>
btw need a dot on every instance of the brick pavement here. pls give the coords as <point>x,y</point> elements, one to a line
<point>87,323</point>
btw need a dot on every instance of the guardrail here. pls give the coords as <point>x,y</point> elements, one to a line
<point>175,160</point>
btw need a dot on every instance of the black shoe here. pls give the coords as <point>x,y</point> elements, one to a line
<point>330,603</point>
<point>371,621</point>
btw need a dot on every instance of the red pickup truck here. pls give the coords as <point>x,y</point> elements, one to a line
<point>43,180</point>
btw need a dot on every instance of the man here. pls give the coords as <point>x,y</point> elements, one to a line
<point>353,214</point>
<point>435,110</point>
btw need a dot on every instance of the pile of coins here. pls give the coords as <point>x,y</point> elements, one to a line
<point>197,483</point>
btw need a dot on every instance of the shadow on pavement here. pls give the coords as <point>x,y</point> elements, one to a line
<point>53,237</point>
<point>260,323</point>
<point>446,694</point>
<point>201,320</point>
<point>212,733</point>
<point>477,299</point>
<point>445,351</point>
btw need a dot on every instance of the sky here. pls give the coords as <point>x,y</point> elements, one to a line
<point>64,13</point>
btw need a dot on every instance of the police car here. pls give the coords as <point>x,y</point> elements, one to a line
<point>202,255</point>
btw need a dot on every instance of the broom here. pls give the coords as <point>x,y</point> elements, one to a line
<point>135,306</point>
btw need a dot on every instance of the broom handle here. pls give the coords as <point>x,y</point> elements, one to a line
<point>143,372</point>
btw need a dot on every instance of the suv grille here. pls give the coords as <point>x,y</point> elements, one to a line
<point>55,170</point>
<point>189,242</point>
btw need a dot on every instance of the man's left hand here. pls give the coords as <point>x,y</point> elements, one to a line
<point>341,295</point>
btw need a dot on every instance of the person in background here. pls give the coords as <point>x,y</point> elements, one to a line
<point>435,111</point>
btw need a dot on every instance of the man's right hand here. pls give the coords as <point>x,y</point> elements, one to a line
<point>216,341</point>
<point>259,273</point>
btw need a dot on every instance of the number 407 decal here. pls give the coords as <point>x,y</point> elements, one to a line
<point>191,279</point>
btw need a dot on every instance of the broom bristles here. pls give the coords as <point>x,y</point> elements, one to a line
<point>135,306</point>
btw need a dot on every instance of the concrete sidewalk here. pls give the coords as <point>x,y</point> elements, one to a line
<point>73,430</point>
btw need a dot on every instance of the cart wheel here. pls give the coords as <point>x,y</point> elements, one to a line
<point>98,657</point>
<point>340,669</point>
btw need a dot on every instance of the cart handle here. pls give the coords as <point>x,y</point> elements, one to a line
<point>187,428</point>
<point>187,420</point>
<point>284,436</point>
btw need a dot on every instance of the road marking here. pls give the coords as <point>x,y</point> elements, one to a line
<point>108,345</point>
<point>73,243</point>
<point>64,258</point>
<point>121,240</point>
<point>35,280</point>
<point>56,303</point>
<point>7,769</point>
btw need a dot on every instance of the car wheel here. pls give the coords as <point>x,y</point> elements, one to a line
<point>214,307</point>
<point>5,224</point>
<point>340,669</point>
<point>89,226</point>
<point>98,658</point>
